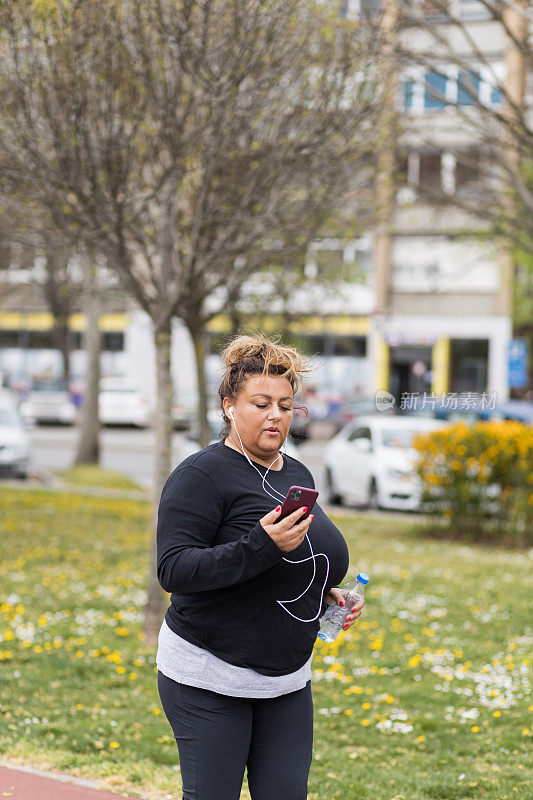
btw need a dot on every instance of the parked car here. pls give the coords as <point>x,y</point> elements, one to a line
<point>323,407</point>
<point>348,411</point>
<point>520,410</point>
<point>49,401</point>
<point>14,440</point>
<point>191,442</point>
<point>121,402</point>
<point>184,411</point>
<point>372,462</point>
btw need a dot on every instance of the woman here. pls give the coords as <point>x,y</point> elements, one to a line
<point>235,647</point>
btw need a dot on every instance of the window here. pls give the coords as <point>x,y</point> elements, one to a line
<point>328,259</point>
<point>349,346</point>
<point>359,433</point>
<point>408,93</point>
<point>468,83</point>
<point>467,171</point>
<point>435,90</point>
<point>369,9</point>
<point>429,171</point>
<point>474,10</point>
<point>10,339</point>
<point>434,9</point>
<point>113,341</point>
<point>365,9</point>
<point>496,96</point>
<point>468,365</point>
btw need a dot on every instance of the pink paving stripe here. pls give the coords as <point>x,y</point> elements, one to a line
<point>17,784</point>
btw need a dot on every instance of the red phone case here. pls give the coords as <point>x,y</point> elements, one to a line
<point>290,504</point>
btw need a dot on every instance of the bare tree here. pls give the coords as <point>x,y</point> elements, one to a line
<point>63,290</point>
<point>174,134</point>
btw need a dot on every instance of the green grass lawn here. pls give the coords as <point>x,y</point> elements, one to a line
<point>427,697</point>
<point>97,476</point>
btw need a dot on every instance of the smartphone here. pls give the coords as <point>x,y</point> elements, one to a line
<point>298,497</point>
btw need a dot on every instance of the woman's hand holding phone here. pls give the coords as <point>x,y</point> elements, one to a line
<point>288,533</point>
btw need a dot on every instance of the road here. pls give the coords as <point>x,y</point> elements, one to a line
<point>130,451</point>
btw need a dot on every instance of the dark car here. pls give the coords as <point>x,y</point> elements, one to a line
<point>520,410</point>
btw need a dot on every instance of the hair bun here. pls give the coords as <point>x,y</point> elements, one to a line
<point>286,360</point>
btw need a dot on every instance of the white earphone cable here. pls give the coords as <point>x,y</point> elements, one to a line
<point>313,555</point>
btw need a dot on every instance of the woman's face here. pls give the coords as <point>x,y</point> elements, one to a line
<point>262,413</point>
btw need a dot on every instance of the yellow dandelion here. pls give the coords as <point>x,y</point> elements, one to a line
<point>366,706</point>
<point>121,670</point>
<point>156,710</point>
<point>132,676</point>
<point>475,728</point>
<point>496,713</point>
<point>365,722</point>
<point>114,745</point>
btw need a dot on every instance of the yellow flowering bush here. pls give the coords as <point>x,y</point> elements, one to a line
<point>478,480</point>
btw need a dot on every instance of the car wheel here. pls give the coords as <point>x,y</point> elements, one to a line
<point>373,499</point>
<point>332,494</point>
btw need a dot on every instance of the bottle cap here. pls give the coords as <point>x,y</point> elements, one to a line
<point>363,578</point>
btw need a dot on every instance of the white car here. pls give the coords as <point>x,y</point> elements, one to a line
<point>121,402</point>
<point>49,401</point>
<point>14,441</point>
<point>372,461</point>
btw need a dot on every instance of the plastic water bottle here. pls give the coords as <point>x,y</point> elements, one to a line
<point>332,621</point>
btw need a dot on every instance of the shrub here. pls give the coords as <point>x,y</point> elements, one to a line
<point>478,481</point>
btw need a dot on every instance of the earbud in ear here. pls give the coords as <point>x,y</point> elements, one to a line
<point>230,411</point>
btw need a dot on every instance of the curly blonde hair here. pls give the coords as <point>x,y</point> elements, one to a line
<point>257,355</point>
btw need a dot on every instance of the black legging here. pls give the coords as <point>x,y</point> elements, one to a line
<point>218,736</point>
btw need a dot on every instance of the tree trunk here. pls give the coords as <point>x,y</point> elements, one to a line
<point>88,451</point>
<point>157,599</point>
<point>385,145</point>
<point>233,312</point>
<point>62,341</point>
<point>59,296</point>
<point>199,339</point>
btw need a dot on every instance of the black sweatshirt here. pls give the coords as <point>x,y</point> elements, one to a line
<point>225,573</point>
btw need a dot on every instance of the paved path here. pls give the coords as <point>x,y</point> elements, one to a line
<point>24,783</point>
